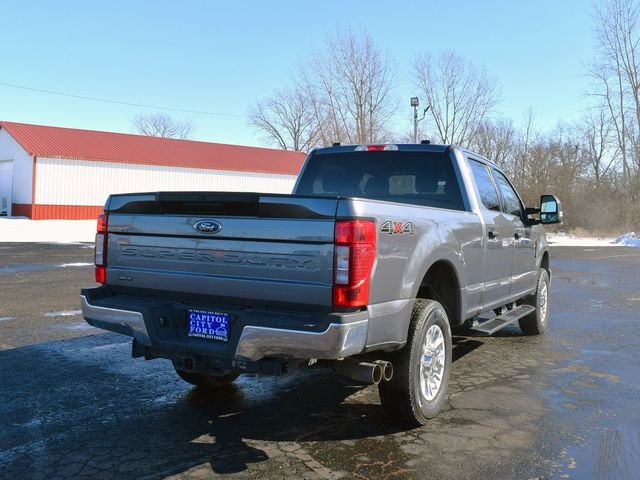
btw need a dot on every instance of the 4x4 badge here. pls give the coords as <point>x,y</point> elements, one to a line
<point>393,227</point>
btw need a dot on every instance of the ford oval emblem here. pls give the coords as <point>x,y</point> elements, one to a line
<point>207,226</point>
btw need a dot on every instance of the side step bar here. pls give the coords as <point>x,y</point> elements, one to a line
<point>491,326</point>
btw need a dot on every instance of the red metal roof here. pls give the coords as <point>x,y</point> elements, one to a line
<point>72,143</point>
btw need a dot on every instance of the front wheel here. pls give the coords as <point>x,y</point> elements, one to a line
<point>419,386</point>
<point>536,322</point>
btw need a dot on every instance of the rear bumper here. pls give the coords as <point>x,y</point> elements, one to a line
<point>127,322</point>
<point>339,340</point>
<point>338,335</point>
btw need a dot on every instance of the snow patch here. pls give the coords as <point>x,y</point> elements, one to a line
<point>3,319</point>
<point>566,240</point>
<point>76,264</point>
<point>628,240</point>
<point>63,313</point>
<point>19,229</point>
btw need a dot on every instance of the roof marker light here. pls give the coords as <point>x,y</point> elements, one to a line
<point>376,148</point>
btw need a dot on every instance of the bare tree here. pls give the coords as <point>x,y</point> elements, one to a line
<point>528,137</point>
<point>616,75</point>
<point>569,165</point>
<point>286,119</point>
<point>344,94</point>
<point>600,153</point>
<point>461,95</point>
<point>161,125</point>
<point>552,163</point>
<point>497,142</point>
<point>350,86</point>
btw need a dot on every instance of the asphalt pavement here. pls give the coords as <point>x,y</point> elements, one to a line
<point>73,404</point>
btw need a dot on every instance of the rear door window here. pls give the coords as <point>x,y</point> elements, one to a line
<point>486,187</point>
<point>419,178</point>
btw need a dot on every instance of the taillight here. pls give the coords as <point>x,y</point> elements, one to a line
<point>103,220</point>
<point>100,254</point>
<point>354,256</point>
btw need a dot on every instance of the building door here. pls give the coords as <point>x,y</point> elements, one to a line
<point>6,186</point>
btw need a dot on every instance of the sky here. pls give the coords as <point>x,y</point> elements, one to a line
<point>221,57</point>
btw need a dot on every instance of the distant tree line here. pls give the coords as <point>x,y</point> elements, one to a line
<point>345,93</point>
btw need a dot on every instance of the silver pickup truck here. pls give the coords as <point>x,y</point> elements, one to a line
<point>379,252</point>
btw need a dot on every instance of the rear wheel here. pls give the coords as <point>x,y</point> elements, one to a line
<point>419,386</point>
<point>536,322</point>
<point>205,381</point>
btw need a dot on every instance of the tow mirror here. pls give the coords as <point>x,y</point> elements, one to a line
<point>550,209</point>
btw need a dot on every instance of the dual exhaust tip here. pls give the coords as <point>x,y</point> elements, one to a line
<point>365,372</point>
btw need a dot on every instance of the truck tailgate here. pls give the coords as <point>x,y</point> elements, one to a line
<point>270,249</point>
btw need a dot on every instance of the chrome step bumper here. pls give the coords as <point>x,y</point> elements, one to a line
<point>115,320</point>
<point>339,340</point>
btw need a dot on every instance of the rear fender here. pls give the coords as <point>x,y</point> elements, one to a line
<point>448,255</point>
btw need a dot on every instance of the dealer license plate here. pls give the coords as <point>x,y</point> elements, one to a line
<point>208,324</point>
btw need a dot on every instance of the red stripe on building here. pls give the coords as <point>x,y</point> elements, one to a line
<point>60,212</point>
<point>65,212</point>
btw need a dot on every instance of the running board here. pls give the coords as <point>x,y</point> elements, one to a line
<point>491,326</point>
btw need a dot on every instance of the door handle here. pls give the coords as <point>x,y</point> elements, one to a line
<point>492,234</point>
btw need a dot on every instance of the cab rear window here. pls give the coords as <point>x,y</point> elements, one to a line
<point>418,178</point>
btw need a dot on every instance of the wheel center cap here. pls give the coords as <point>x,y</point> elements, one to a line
<point>427,359</point>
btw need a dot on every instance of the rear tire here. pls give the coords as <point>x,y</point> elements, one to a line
<point>536,322</point>
<point>419,385</point>
<point>205,381</point>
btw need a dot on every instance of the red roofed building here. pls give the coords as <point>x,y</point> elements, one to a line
<point>52,172</point>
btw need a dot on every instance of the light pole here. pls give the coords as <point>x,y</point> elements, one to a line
<point>415,103</point>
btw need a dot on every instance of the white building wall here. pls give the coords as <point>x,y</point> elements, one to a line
<point>80,182</point>
<point>22,167</point>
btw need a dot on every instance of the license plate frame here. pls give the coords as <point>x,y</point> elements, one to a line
<point>212,325</point>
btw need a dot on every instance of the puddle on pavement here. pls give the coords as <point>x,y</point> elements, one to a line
<point>28,268</point>
<point>63,313</point>
<point>582,281</point>
<point>607,443</point>
<point>41,267</point>
<point>74,326</point>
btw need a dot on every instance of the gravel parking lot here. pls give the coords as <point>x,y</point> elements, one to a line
<point>73,404</point>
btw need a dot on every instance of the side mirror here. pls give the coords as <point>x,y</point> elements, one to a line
<point>550,209</point>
